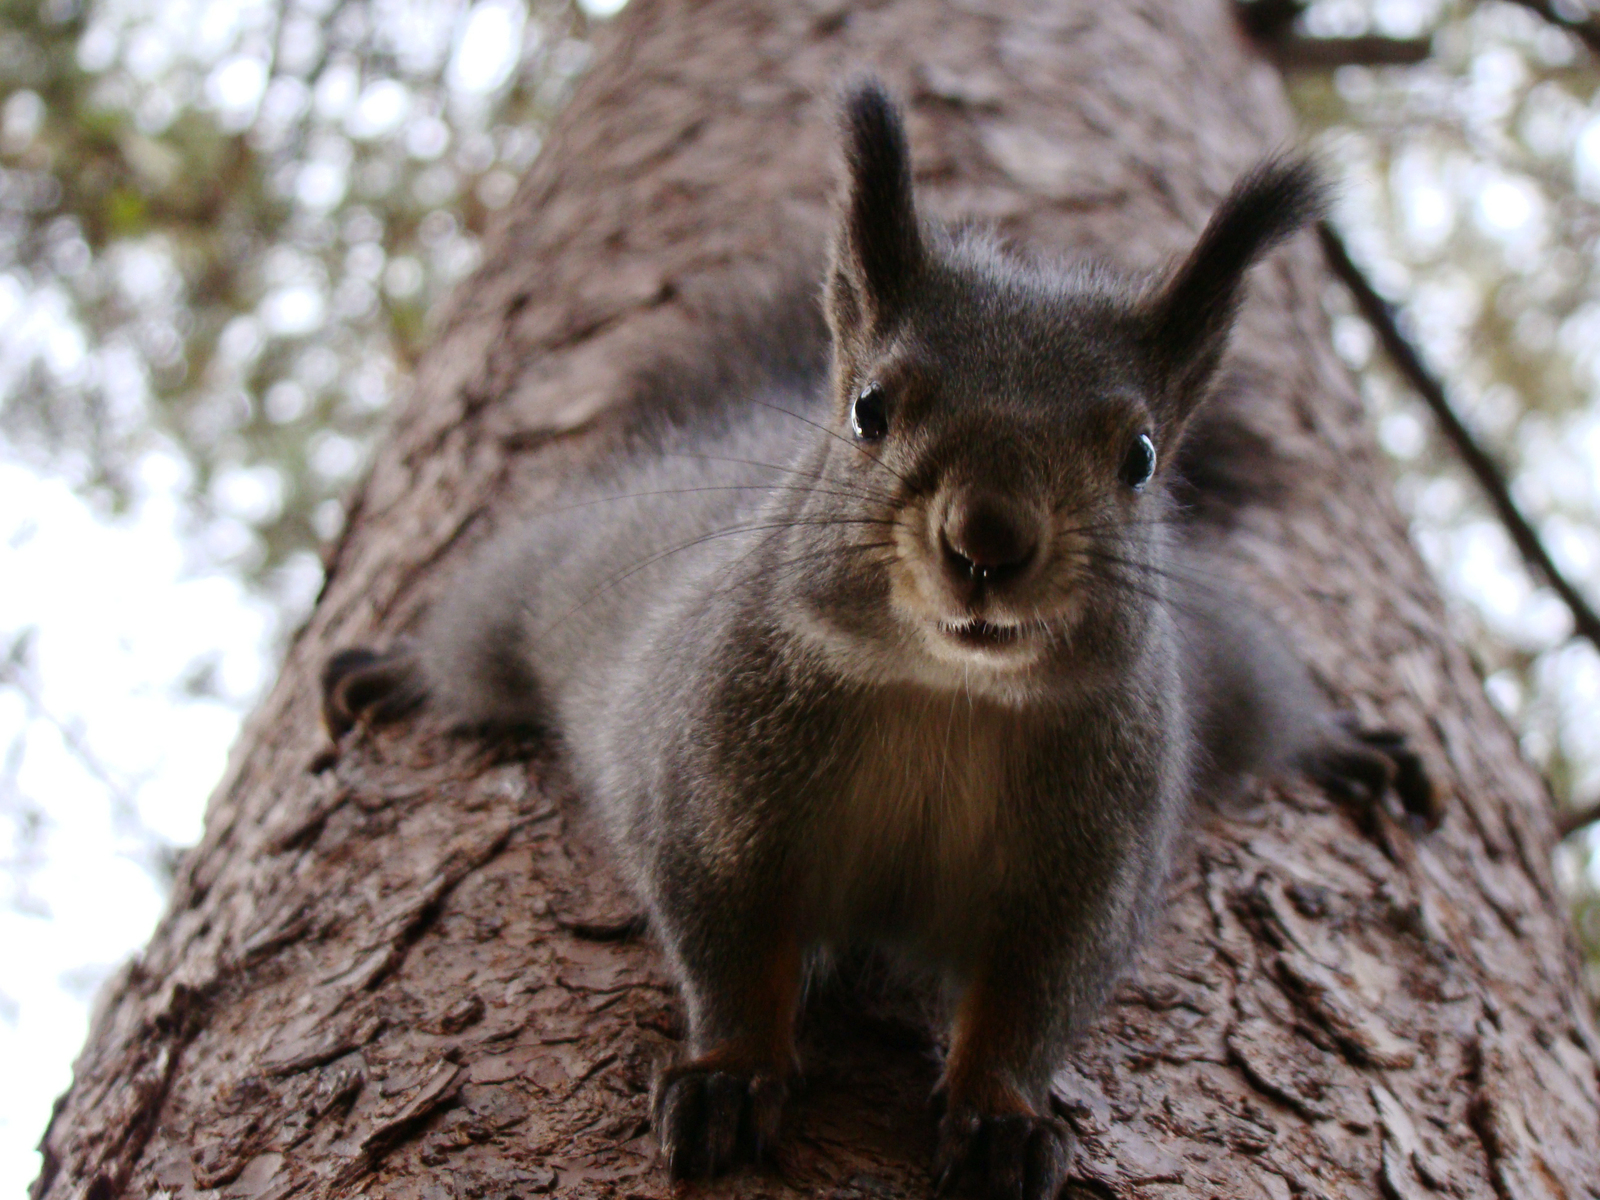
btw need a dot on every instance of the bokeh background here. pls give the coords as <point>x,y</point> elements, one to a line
<point>223,224</point>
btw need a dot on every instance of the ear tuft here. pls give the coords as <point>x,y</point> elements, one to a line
<point>1192,314</point>
<point>877,249</point>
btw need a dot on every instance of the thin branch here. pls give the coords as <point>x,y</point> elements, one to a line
<point>1568,823</point>
<point>1586,27</point>
<point>1488,473</point>
<point>1271,25</point>
<point>13,674</point>
<point>1270,22</point>
<point>1295,53</point>
<point>1267,20</point>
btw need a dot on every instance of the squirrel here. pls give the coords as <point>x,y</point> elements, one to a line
<point>893,624</point>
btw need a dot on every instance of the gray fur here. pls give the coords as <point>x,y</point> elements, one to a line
<point>733,626</point>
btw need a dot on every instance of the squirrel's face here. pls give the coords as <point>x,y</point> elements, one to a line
<point>998,453</point>
<point>1001,432</point>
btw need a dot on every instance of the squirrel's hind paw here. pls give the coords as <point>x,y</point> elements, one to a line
<point>376,686</point>
<point>708,1118</point>
<point>1008,1157</point>
<point>1361,765</point>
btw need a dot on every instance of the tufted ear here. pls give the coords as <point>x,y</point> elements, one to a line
<point>877,248</point>
<point>1189,317</point>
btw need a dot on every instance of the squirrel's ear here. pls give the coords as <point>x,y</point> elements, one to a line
<point>877,248</point>
<point>1189,316</point>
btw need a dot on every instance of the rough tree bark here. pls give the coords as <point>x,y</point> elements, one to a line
<point>405,967</point>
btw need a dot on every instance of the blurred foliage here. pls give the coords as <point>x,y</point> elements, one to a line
<point>222,223</point>
<point>1578,867</point>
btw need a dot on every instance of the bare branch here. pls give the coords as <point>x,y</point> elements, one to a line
<point>1488,473</point>
<point>1571,821</point>
<point>1268,20</point>
<point>1270,24</point>
<point>1295,53</point>
<point>13,674</point>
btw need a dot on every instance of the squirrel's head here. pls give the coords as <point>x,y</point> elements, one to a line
<point>1012,427</point>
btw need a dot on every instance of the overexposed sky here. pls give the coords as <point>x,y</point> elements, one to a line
<point>125,629</point>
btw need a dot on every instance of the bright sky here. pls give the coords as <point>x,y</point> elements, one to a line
<point>121,624</point>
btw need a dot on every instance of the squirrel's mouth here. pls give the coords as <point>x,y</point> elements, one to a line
<point>978,634</point>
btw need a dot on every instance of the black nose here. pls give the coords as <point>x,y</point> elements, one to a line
<point>987,542</point>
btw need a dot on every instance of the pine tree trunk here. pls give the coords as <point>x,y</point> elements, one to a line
<point>407,967</point>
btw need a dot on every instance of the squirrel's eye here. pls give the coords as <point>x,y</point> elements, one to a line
<point>868,418</point>
<point>1140,462</point>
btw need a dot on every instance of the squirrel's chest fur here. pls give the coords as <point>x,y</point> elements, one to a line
<point>921,822</point>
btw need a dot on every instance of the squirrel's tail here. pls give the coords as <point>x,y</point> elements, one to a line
<point>1224,463</point>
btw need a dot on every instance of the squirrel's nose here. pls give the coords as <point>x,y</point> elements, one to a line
<point>986,542</point>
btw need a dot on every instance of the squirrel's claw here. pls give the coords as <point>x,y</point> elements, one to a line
<point>708,1119</point>
<point>1411,781</point>
<point>378,686</point>
<point>958,1136</point>
<point>1020,1157</point>
<point>1362,764</point>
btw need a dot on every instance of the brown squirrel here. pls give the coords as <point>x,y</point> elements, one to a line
<point>894,633</point>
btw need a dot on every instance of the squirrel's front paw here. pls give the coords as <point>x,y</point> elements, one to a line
<point>378,686</point>
<point>1360,764</point>
<point>1006,1158</point>
<point>708,1117</point>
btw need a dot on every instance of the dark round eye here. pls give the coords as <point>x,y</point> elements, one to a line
<point>1140,462</point>
<point>868,418</point>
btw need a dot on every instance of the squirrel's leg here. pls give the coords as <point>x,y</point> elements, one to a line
<point>724,1103</point>
<point>996,1124</point>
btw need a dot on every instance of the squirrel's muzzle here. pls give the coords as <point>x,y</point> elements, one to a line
<point>986,542</point>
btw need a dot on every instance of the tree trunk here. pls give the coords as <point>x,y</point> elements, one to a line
<point>407,967</point>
